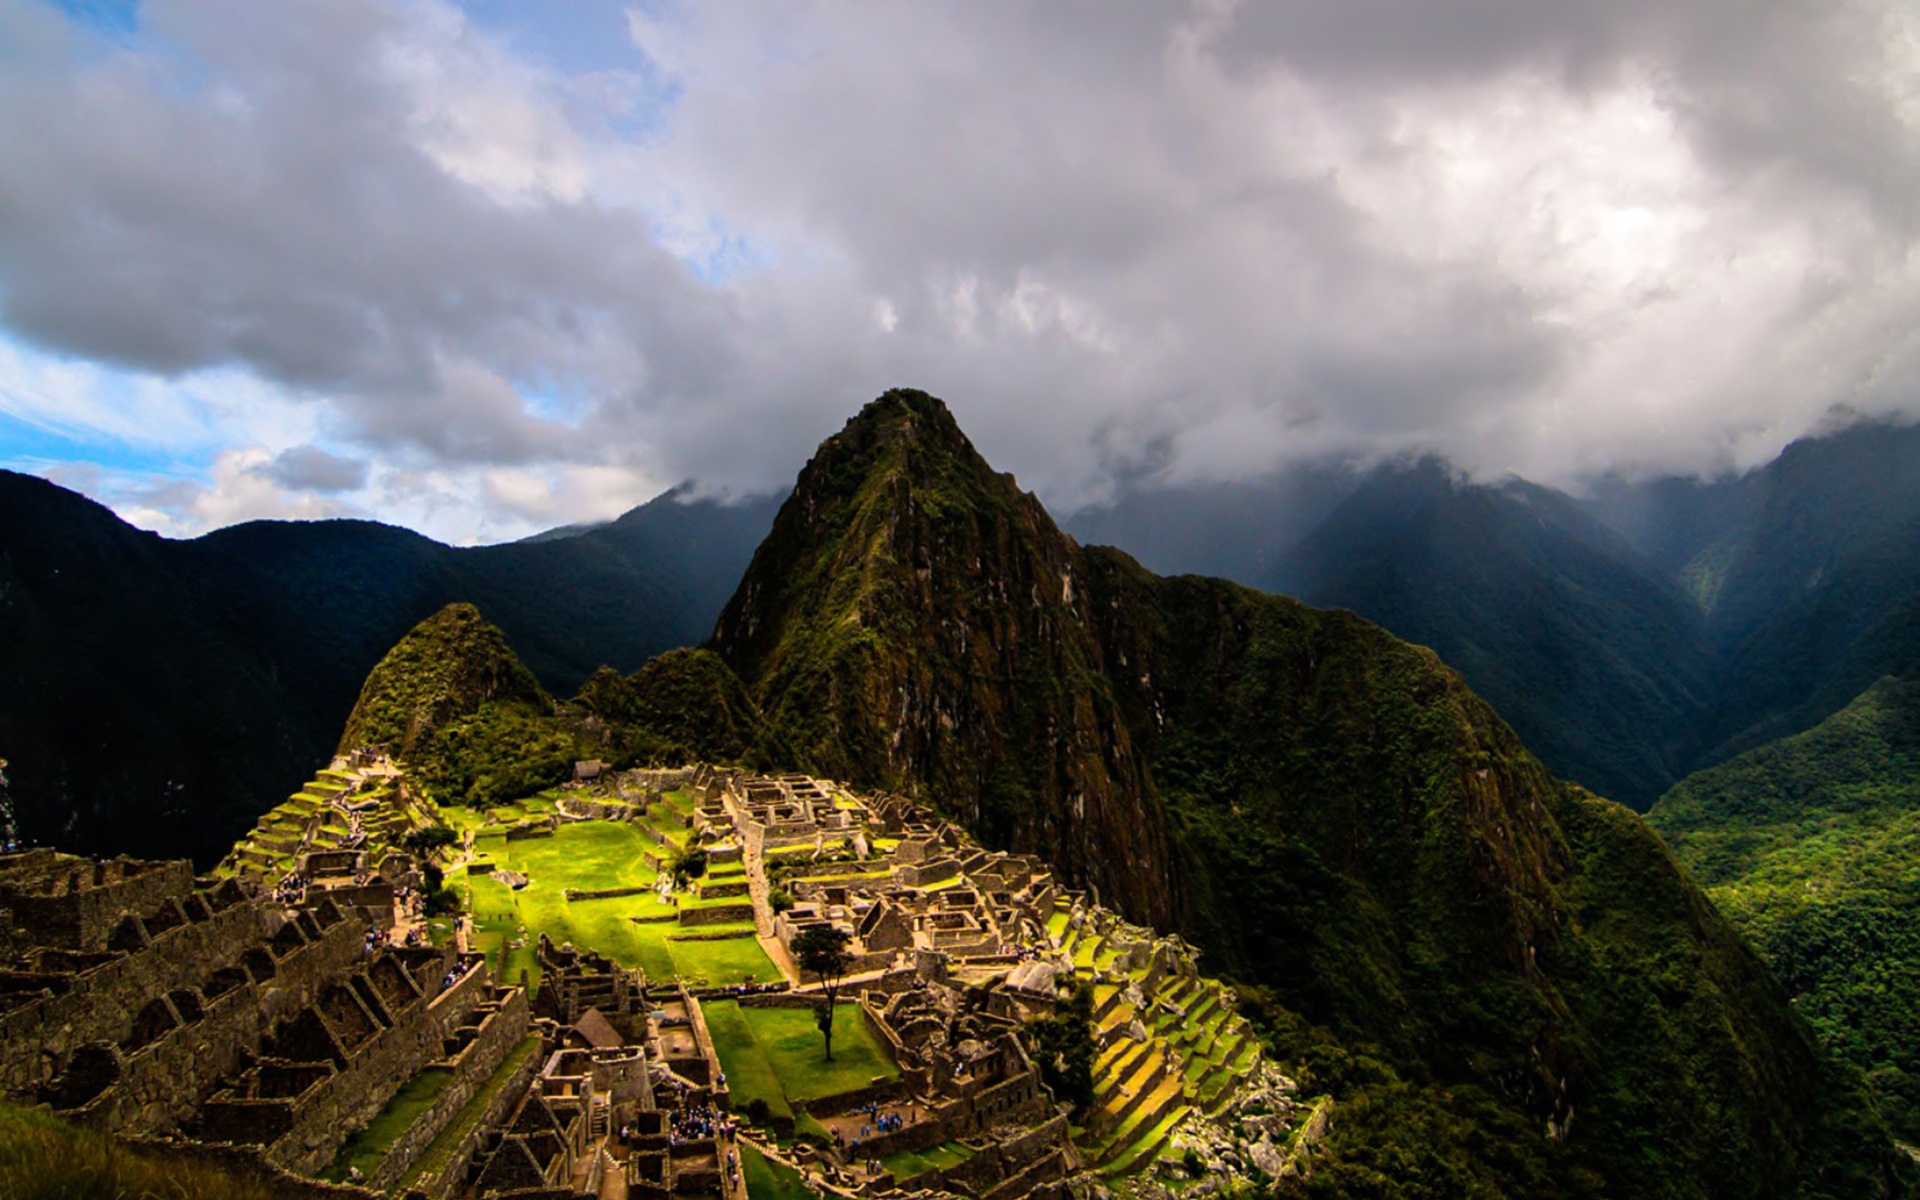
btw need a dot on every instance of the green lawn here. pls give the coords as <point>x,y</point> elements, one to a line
<point>765,1049</point>
<point>750,1076</point>
<point>769,1180</point>
<point>592,856</point>
<point>368,1145</point>
<point>728,960</point>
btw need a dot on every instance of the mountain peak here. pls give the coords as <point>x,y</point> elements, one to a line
<point>447,667</point>
<point>906,409</point>
<point>916,622</point>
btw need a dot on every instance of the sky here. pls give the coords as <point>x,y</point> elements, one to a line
<point>482,269</point>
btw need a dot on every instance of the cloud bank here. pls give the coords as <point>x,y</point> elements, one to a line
<point>403,263</point>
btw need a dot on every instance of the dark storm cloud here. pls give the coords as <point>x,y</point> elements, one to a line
<point>272,206</point>
<point>1124,239</point>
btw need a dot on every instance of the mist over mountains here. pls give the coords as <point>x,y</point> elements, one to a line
<point>1631,636</point>
<point>163,692</point>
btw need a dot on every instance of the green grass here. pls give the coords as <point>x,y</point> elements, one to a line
<point>594,856</point>
<point>750,1076</point>
<point>368,1145</point>
<point>778,1053</point>
<point>727,960</point>
<point>769,1180</point>
<point>1057,925</point>
<point>908,1163</point>
<point>42,1158</point>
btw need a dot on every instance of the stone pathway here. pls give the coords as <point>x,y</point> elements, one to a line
<point>759,893</point>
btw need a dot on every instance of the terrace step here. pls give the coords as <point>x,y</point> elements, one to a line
<point>1147,1146</point>
<point>1148,1083</point>
<point>1146,1111</point>
<point>1111,1068</point>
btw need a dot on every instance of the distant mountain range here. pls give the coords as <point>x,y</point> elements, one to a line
<point>1631,636</point>
<point>162,693</point>
<point>159,694</point>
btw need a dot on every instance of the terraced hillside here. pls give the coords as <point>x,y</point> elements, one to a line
<point>1174,1054</point>
<point>344,807</point>
<point>590,873</point>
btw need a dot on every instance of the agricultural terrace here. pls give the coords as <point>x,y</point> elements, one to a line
<point>635,930</point>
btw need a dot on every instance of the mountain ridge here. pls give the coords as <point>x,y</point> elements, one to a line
<point>166,692</point>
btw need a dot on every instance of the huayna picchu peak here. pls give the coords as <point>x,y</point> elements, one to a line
<point>915,621</point>
<point>962,860</point>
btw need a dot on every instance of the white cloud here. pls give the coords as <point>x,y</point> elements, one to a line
<point>1121,239</point>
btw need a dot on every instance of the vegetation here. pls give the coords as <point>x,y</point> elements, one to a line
<point>429,839</point>
<point>687,866</point>
<point>1811,845</point>
<point>366,1147</point>
<point>226,665</point>
<point>42,1158</point>
<point>821,951</point>
<point>1507,981</point>
<point>1064,1048</point>
<point>593,856</point>
<point>768,1180</point>
<point>772,1054</point>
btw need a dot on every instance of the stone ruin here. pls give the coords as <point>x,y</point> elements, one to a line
<point>246,1017</point>
<point>142,1002</point>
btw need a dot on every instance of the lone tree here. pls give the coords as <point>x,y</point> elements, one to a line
<point>822,950</point>
<point>688,865</point>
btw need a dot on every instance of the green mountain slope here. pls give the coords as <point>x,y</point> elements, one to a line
<point>160,694</point>
<point>1811,845</point>
<point>1647,630</point>
<point>1593,655</point>
<point>454,704</point>
<point>1509,984</point>
<point>915,621</point>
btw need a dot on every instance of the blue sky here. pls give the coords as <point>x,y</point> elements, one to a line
<point>489,267</point>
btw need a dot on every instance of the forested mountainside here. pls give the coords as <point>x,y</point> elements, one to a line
<point>1811,846</point>
<point>1632,636</point>
<point>1508,983</point>
<point>161,693</point>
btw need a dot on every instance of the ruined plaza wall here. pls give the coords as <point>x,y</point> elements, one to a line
<point>443,1181</point>
<point>162,1083</point>
<point>348,1099</point>
<point>75,904</point>
<point>472,1067</point>
<point>98,1003</point>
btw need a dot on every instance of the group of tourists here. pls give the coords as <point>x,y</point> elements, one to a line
<point>290,891</point>
<point>697,1123</point>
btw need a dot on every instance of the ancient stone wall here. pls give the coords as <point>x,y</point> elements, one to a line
<point>75,904</point>
<point>98,1004</point>
<point>445,1180</point>
<point>375,1070</point>
<point>718,914</point>
<point>472,1067</point>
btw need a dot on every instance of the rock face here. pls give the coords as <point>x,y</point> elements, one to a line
<point>1328,812</point>
<point>916,622</point>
